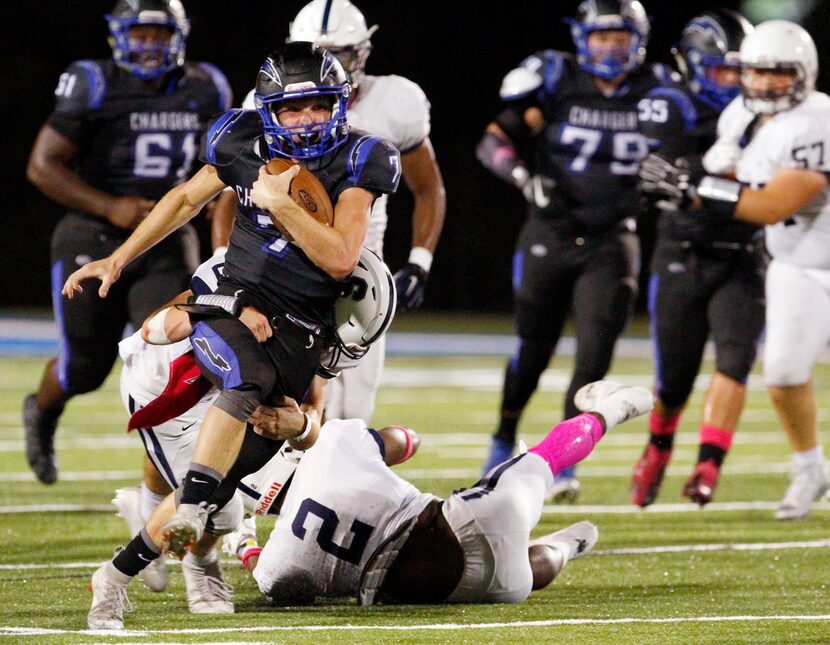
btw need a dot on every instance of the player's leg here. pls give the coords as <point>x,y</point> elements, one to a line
<point>603,300</point>
<point>736,315</point>
<point>542,293</point>
<point>798,307</point>
<point>353,394</point>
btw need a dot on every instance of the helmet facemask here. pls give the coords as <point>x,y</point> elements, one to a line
<point>774,98</point>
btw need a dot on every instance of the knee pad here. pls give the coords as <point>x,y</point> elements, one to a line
<point>786,372</point>
<point>240,404</point>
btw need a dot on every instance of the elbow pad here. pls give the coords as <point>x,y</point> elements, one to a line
<point>212,306</point>
<point>500,158</point>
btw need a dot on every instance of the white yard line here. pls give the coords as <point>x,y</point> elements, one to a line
<point>128,633</point>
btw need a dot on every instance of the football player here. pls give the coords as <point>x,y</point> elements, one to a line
<point>707,274</point>
<point>349,526</point>
<point>302,94</point>
<point>569,139</point>
<point>395,108</point>
<point>774,139</point>
<point>124,131</point>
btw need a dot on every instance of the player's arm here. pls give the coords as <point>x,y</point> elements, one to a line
<point>335,249</point>
<point>286,420</point>
<point>223,214</point>
<point>173,211</point>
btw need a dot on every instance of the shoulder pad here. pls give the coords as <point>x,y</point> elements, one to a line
<point>374,164</point>
<point>228,135</point>
<point>548,66</point>
<point>406,107</point>
<point>519,82</point>
<point>680,100</point>
<point>206,278</point>
<point>248,101</point>
<point>81,87</point>
<point>222,86</point>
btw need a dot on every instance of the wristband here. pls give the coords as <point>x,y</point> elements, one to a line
<point>156,334</point>
<point>210,305</point>
<point>306,430</point>
<point>410,444</point>
<point>421,256</point>
<point>720,196</point>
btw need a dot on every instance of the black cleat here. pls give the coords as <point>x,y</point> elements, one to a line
<point>39,429</point>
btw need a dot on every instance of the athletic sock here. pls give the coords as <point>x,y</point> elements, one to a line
<point>662,429</point>
<point>199,484</point>
<point>140,552</point>
<point>809,457</point>
<point>148,501</point>
<point>714,443</point>
<point>569,442</point>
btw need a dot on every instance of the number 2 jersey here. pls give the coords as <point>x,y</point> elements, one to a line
<point>272,271</point>
<point>135,140</point>
<point>795,138</point>
<point>591,144</point>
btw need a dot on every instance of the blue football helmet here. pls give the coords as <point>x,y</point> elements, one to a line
<point>145,60</point>
<point>295,71</point>
<point>607,15</point>
<point>709,41</point>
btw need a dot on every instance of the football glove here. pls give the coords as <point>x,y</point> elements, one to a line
<point>537,190</point>
<point>410,283</point>
<point>666,181</point>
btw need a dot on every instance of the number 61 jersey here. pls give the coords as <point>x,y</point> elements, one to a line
<point>133,139</point>
<point>795,138</point>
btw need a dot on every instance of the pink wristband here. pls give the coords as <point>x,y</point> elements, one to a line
<point>410,445</point>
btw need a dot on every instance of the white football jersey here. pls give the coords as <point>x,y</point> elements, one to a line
<point>391,107</point>
<point>796,138</point>
<point>342,503</point>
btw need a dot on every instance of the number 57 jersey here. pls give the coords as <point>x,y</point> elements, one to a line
<point>134,139</point>
<point>343,501</point>
<point>795,138</point>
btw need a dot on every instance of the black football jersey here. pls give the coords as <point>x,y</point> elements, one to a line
<point>679,124</point>
<point>259,260</point>
<point>135,140</point>
<point>591,144</point>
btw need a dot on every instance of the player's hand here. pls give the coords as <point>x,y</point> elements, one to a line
<point>281,421</point>
<point>410,283</point>
<point>666,181</point>
<point>537,190</point>
<point>270,191</point>
<point>128,212</point>
<point>106,270</point>
<point>257,323</point>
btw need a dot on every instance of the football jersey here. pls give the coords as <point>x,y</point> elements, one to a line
<point>591,144</point>
<point>795,138</point>
<point>391,107</point>
<point>679,124</point>
<point>135,140</point>
<point>259,260</point>
<point>342,503</point>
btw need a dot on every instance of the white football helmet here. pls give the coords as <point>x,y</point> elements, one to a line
<point>783,46</point>
<point>338,26</point>
<point>362,313</point>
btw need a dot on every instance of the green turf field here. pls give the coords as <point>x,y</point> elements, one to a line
<point>733,574</point>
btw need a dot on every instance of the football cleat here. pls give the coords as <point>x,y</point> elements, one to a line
<point>185,528</point>
<point>806,486</point>
<point>127,501</point>
<point>109,601</point>
<point>565,490</point>
<point>701,485</point>
<point>207,591</point>
<point>500,451</point>
<point>648,474</point>
<point>574,541</point>
<point>619,402</point>
<point>39,428</point>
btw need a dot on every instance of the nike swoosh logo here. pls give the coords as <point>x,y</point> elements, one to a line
<point>198,481</point>
<point>188,426</point>
<point>146,559</point>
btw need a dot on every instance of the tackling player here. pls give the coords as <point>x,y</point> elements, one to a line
<point>569,139</point>
<point>123,132</point>
<point>776,136</point>
<point>302,93</point>
<point>706,273</point>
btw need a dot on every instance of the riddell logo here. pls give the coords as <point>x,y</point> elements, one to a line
<point>309,202</point>
<point>266,500</point>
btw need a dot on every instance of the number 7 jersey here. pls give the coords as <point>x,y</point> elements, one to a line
<point>795,138</point>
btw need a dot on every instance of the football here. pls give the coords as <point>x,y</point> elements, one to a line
<point>306,191</point>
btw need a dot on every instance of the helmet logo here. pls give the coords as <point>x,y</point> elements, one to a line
<point>308,200</point>
<point>299,87</point>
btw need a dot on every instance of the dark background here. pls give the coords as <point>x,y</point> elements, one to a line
<point>457,51</point>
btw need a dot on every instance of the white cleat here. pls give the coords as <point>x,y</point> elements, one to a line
<point>627,401</point>
<point>806,486</point>
<point>127,500</point>
<point>564,490</point>
<point>185,528</point>
<point>235,542</point>
<point>109,602</point>
<point>207,591</point>
<point>573,541</point>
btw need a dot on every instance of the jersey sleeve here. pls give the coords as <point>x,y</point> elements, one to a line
<point>723,156</point>
<point>206,278</point>
<point>667,115</point>
<point>808,144</point>
<point>80,90</point>
<point>222,142</point>
<point>374,164</point>
<point>411,108</point>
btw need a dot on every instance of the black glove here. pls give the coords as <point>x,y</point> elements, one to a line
<point>410,283</point>
<point>668,182</point>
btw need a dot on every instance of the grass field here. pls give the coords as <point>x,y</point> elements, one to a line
<point>673,574</point>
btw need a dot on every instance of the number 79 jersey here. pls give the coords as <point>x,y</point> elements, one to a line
<point>134,140</point>
<point>795,138</point>
<point>343,501</point>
